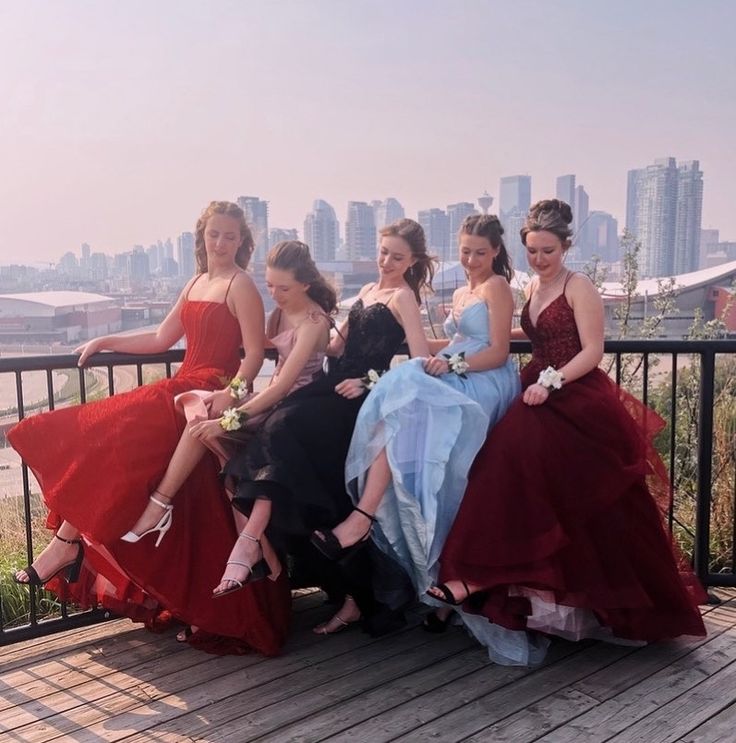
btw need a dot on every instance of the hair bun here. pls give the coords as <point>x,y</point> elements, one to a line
<point>551,205</point>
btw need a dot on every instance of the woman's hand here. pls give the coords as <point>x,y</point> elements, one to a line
<point>206,431</point>
<point>437,365</point>
<point>218,401</point>
<point>535,394</point>
<point>350,388</point>
<point>87,349</point>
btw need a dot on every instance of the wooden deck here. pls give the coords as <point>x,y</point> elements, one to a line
<point>119,682</point>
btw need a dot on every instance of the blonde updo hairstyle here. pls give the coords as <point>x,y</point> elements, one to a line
<point>245,251</point>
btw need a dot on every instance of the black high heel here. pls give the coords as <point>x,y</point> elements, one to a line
<point>329,545</point>
<point>255,572</point>
<point>448,596</point>
<point>432,623</point>
<point>72,568</point>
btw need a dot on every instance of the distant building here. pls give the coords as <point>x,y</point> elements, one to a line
<point>386,212</point>
<point>514,200</point>
<point>689,214</point>
<point>360,231</point>
<point>322,231</point>
<point>663,212</point>
<point>456,213</point>
<point>277,235</point>
<point>484,201</point>
<point>57,317</point>
<point>185,258</point>
<point>565,189</point>
<point>436,228</point>
<point>256,215</point>
<point>601,237</point>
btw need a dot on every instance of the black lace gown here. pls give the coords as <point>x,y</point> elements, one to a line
<point>297,459</point>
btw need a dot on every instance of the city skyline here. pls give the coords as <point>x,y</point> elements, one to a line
<point>122,122</point>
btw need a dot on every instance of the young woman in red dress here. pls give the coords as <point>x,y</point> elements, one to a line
<point>561,528</point>
<point>98,464</point>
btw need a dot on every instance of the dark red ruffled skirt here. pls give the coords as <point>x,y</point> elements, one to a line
<point>566,502</point>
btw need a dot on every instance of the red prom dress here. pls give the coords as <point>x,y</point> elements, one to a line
<point>97,464</point>
<point>563,521</point>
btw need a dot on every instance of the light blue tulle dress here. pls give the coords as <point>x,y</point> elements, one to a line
<point>431,428</point>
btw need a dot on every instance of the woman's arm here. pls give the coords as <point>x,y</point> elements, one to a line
<point>248,309</point>
<point>407,312</point>
<point>245,303</point>
<point>148,341</point>
<point>587,307</point>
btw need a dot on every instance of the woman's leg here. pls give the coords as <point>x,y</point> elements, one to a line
<point>56,554</point>
<point>186,456</point>
<point>247,552</point>
<point>356,526</point>
<point>347,614</point>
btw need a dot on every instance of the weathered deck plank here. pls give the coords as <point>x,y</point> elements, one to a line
<point>113,682</point>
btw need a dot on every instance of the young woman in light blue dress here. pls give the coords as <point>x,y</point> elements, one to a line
<point>422,424</point>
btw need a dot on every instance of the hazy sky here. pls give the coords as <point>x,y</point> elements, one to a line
<point>120,120</point>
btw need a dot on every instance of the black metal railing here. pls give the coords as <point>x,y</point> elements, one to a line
<point>645,367</point>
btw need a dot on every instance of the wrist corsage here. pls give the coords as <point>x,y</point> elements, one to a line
<point>371,377</point>
<point>238,388</point>
<point>550,379</point>
<point>457,363</point>
<point>233,419</point>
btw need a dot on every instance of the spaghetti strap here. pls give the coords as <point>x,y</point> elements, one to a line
<point>196,279</point>
<point>570,274</point>
<point>230,283</point>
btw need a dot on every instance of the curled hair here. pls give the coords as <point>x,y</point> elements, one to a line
<point>420,274</point>
<point>244,252</point>
<point>294,256</point>
<point>550,215</point>
<point>489,226</point>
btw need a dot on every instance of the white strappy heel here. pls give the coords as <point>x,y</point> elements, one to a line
<point>163,525</point>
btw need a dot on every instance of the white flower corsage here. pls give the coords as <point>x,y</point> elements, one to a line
<point>233,419</point>
<point>371,377</point>
<point>457,363</point>
<point>238,388</point>
<point>550,378</point>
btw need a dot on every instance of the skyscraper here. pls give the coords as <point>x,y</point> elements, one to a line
<point>388,211</point>
<point>436,228</point>
<point>601,237</point>
<point>256,215</point>
<point>322,231</point>
<point>663,212</point>
<point>579,223</point>
<point>514,200</point>
<point>360,231</point>
<point>185,254</point>
<point>456,213</point>
<point>689,213</point>
<point>565,189</point>
<point>277,235</point>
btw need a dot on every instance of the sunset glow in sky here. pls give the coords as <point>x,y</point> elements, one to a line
<point>120,121</point>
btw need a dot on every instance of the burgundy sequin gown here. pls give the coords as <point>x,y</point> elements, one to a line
<point>97,464</point>
<point>563,516</point>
